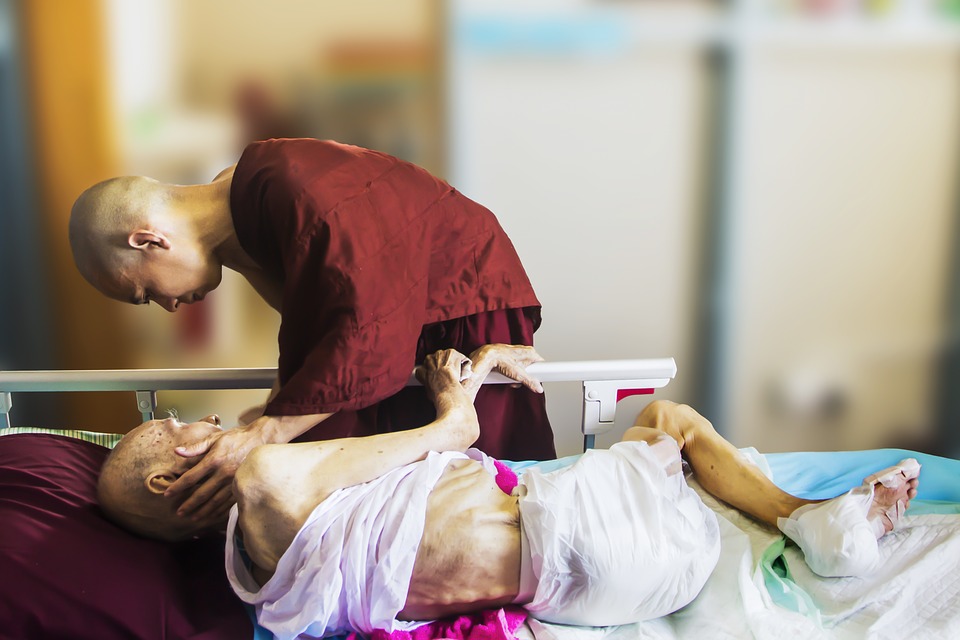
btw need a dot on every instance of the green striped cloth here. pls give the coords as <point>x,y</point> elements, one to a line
<point>108,440</point>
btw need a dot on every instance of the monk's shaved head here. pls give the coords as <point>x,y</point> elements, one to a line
<point>102,219</point>
<point>137,240</point>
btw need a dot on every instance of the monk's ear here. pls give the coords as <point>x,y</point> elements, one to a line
<point>158,481</point>
<point>146,239</point>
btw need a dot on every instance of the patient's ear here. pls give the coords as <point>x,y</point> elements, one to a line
<point>158,481</point>
<point>147,239</point>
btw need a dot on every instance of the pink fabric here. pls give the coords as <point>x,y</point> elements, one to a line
<point>491,624</point>
<point>506,478</point>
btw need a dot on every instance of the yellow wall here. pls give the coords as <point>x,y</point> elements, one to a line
<point>68,101</point>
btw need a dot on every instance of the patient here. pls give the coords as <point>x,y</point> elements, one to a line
<point>382,531</point>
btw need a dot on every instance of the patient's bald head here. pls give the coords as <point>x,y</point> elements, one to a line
<point>140,468</point>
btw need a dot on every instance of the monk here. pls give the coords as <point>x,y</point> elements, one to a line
<point>391,530</point>
<point>372,262</point>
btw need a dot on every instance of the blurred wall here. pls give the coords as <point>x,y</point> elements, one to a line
<point>841,250</point>
<point>72,147</point>
<point>591,152</point>
<point>789,177</point>
<point>194,82</point>
<point>763,190</point>
<point>25,319</point>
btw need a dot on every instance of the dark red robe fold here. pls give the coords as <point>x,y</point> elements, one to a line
<point>377,259</point>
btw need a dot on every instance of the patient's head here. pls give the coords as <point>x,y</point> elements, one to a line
<point>138,471</point>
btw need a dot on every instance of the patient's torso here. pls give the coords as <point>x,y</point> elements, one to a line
<point>469,556</point>
<point>431,538</point>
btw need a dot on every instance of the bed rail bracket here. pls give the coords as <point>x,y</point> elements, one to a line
<point>147,404</point>
<point>600,399</point>
<point>6,403</point>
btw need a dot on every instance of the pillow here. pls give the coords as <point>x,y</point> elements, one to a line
<point>69,573</point>
<point>108,440</point>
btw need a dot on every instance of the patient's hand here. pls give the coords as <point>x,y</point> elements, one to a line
<point>507,360</point>
<point>441,373</point>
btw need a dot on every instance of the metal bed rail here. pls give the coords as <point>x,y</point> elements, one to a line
<point>604,382</point>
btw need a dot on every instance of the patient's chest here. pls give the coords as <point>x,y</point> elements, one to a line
<point>470,550</point>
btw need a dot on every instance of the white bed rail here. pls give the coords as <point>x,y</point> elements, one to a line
<point>605,382</point>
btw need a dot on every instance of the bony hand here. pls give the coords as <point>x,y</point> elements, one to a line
<point>443,371</point>
<point>208,485</point>
<point>508,360</point>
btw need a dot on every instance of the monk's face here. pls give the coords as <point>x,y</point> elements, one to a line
<point>168,277</point>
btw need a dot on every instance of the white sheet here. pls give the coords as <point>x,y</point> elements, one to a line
<point>915,596</point>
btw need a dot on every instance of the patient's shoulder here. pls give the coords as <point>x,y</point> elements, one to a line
<point>267,519</point>
<point>258,479</point>
<point>277,487</point>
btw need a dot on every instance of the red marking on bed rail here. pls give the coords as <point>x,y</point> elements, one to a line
<point>626,393</point>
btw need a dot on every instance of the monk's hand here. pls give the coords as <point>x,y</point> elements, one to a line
<point>208,486</point>
<point>508,360</point>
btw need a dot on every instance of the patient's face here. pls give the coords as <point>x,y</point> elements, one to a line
<point>161,437</point>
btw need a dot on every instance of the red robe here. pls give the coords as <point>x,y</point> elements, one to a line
<point>381,264</point>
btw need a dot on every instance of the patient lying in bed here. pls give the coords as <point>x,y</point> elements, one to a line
<point>384,531</point>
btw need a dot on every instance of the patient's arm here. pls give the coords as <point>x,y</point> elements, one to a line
<point>277,486</point>
<point>206,488</point>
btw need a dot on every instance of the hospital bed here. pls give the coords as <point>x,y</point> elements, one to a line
<point>67,572</point>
